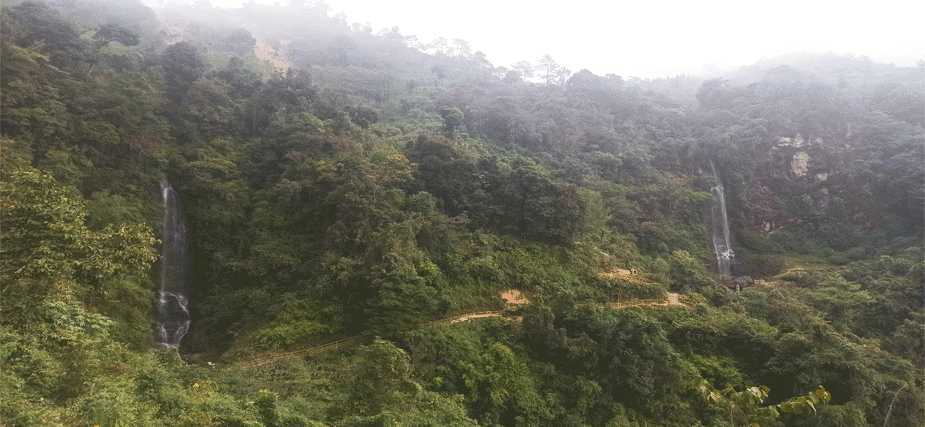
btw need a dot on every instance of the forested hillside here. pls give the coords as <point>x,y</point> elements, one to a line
<point>354,205</point>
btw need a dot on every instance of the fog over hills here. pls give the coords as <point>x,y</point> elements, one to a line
<point>647,40</point>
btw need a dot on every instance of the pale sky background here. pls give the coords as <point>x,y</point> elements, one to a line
<point>648,39</point>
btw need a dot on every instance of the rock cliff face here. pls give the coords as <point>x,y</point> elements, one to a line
<point>840,191</point>
<point>792,182</point>
<point>804,153</point>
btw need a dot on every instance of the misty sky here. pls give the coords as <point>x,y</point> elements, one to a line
<point>654,39</point>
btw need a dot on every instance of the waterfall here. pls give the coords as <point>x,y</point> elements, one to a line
<point>721,245</point>
<point>173,317</point>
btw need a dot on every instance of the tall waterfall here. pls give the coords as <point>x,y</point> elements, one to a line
<point>721,245</point>
<point>173,317</point>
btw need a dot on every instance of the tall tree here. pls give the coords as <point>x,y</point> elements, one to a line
<point>452,118</point>
<point>526,70</point>
<point>115,33</point>
<point>182,66</point>
<point>549,68</point>
<point>461,48</point>
<point>110,33</point>
<point>440,46</point>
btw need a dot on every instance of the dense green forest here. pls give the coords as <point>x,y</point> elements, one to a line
<point>368,187</point>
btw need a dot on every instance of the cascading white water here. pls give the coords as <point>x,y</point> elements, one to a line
<point>173,317</point>
<point>721,244</point>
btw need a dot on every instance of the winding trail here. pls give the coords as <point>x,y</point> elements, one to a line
<point>513,299</point>
<point>673,300</point>
<point>273,357</point>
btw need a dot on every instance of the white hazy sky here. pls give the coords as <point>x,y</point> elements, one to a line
<point>650,39</point>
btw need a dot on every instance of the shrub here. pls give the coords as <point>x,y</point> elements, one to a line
<point>114,406</point>
<point>756,264</point>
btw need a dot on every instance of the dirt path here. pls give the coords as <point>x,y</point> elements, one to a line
<point>511,297</point>
<point>633,276</point>
<point>673,299</point>
<point>271,357</point>
<point>465,318</point>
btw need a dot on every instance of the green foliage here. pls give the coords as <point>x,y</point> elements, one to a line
<point>499,381</point>
<point>33,112</point>
<point>107,208</point>
<point>822,356</point>
<point>244,307</point>
<point>839,299</point>
<point>37,24</point>
<point>207,103</point>
<point>908,340</point>
<point>49,252</point>
<point>383,372</point>
<point>114,406</point>
<point>720,370</point>
<point>157,382</point>
<point>726,334</point>
<point>525,201</point>
<point>15,156</point>
<point>686,273</point>
<point>452,118</point>
<point>760,265</point>
<point>265,402</point>
<point>419,408</point>
<point>626,352</point>
<point>556,216</point>
<point>743,406</point>
<point>805,404</point>
<point>496,381</point>
<point>182,66</point>
<point>297,321</point>
<point>115,33</point>
<point>404,300</point>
